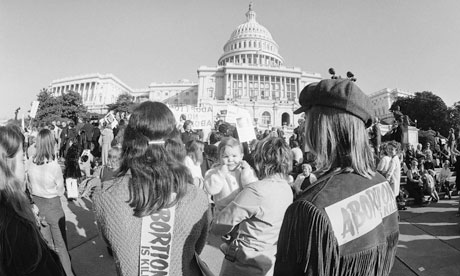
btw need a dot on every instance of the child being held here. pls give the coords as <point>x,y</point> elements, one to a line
<point>228,177</point>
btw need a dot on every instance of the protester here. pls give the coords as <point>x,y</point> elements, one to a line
<point>415,184</point>
<point>153,185</point>
<point>303,180</point>
<point>86,158</point>
<point>384,163</point>
<point>193,161</point>
<point>102,173</point>
<point>228,177</point>
<point>188,134</point>
<point>443,179</point>
<point>105,140</point>
<point>393,174</point>
<point>96,151</point>
<point>72,170</point>
<point>255,215</point>
<point>46,187</point>
<point>318,236</point>
<point>23,251</point>
<point>297,153</point>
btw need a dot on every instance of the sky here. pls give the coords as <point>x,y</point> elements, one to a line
<point>412,45</point>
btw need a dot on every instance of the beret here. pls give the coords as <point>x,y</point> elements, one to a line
<point>341,94</point>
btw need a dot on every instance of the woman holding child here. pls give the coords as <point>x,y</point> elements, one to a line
<point>256,213</point>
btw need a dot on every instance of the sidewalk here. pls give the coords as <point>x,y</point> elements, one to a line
<point>429,242</point>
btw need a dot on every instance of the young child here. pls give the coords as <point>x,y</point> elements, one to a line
<point>228,177</point>
<point>193,161</point>
<point>72,170</point>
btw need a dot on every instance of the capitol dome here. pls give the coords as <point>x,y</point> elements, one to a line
<point>251,43</point>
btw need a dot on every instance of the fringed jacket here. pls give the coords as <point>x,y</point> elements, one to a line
<point>344,224</point>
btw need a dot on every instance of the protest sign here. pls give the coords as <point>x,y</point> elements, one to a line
<point>244,126</point>
<point>202,117</point>
<point>34,109</point>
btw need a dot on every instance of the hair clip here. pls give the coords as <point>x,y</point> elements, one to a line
<point>157,142</point>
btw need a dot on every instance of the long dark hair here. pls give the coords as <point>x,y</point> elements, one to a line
<point>13,200</point>
<point>154,153</point>
<point>339,140</point>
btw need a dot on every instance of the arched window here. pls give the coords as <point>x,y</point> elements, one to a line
<point>266,118</point>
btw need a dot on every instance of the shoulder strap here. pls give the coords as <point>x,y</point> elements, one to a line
<point>156,242</point>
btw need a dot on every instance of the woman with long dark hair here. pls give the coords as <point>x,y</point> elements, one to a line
<point>154,190</point>
<point>346,223</point>
<point>46,187</point>
<point>23,251</point>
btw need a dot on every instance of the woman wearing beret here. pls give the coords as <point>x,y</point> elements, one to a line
<point>346,223</point>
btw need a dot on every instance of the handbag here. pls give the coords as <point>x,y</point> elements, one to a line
<point>204,268</point>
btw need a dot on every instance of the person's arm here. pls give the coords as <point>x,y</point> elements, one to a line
<point>206,222</point>
<point>306,244</point>
<point>214,181</point>
<point>391,169</point>
<point>59,180</point>
<point>244,206</point>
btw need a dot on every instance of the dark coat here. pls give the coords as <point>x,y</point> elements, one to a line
<point>72,169</point>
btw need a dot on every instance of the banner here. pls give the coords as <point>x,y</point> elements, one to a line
<point>202,117</point>
<point>34,109</point>
<point>156,242</point>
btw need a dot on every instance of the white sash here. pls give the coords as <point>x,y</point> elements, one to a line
<point>156,242</point>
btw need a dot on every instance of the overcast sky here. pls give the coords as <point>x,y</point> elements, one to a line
<point>412,44</point>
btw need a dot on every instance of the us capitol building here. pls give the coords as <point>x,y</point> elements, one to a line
<point>249,74</point>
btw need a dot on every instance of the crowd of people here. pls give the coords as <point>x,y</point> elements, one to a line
<point>322,202</point>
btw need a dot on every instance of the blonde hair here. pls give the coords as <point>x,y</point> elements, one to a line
<point>339,140</point>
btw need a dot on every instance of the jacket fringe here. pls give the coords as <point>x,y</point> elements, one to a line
<point>308,238</point>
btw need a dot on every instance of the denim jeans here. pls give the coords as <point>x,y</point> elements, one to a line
<point>51,209</point>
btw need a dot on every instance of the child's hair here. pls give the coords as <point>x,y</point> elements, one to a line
<point>431,172</point>
<point>154,153</point>
<point>194,149</point>
<point>272,156</point>
<point>84,158</point>
<point>228,142</point>
<point>45,147</point>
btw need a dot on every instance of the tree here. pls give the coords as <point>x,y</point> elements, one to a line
<point>69,105</point>
<point>124,103</point>
<point>72,105</point>
<point>453,115</point>
<point>49,108</point>
<point>428,109</point>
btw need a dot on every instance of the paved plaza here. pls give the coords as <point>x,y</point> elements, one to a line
<point>429,242</point>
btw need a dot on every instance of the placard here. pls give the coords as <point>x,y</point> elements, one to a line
<point>201,116</point>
